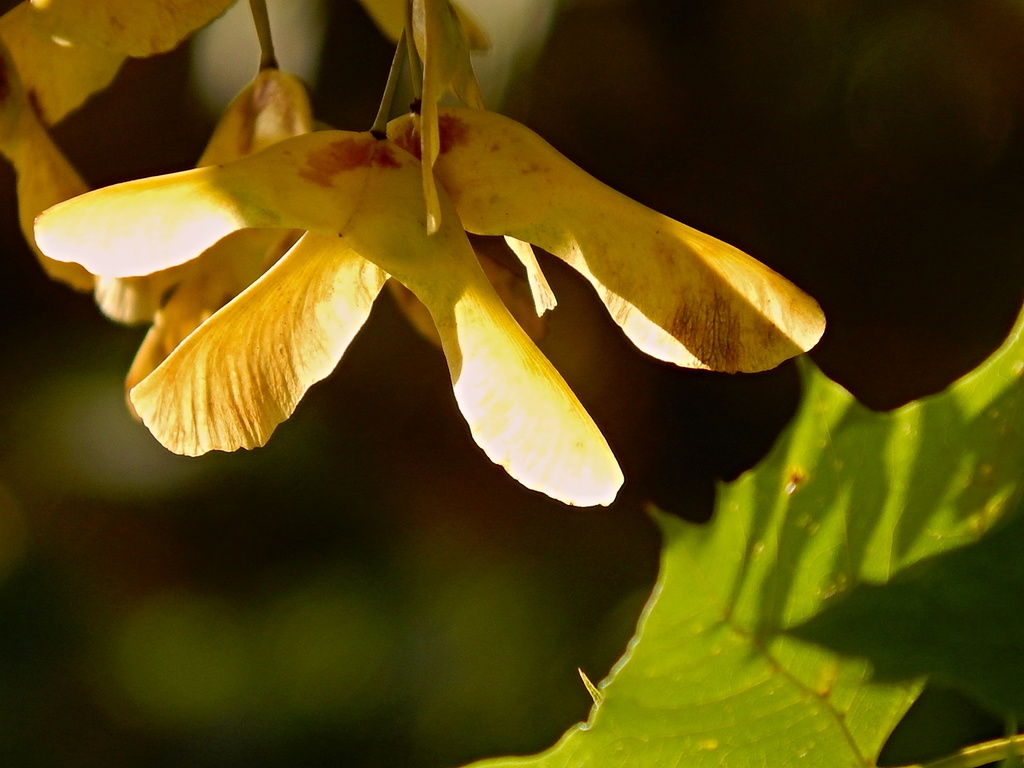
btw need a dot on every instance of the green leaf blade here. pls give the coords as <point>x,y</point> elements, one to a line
<point>846,497</point>
<point>956,616</point>
<point>728,696</point>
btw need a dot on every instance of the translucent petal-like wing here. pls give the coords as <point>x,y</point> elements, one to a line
<point>679,295</point>
<point>44,174</point>
<point>195,291</point>
<point>543,296</point>
<point>144,226</point>
<point>513,289</point>
<point>129,27</point>
<point>44,177</point>
<point>133,300</point>
<point>308,182</point>
<point>519,409</point>
<point>388,15</point>
<point>60,77</point>
<point>242,372</point>
<point>274,106</point>
<point>366,196</point>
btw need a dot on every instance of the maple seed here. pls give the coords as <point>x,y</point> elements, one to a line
<point>679,295</point>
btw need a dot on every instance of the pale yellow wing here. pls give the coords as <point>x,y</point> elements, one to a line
<point>389,16</point>
<point>272,107</point>
<point>543,296</point>
<point>308,182</point>
<point>366,196</point>
<point>60,77</point>
<point>44,176</point>
<point>130,27</point>
<point>143,226</point>
<point>519,409</point>
<point>678,294</point>
<point>242,372</point>
<point>195,291</point>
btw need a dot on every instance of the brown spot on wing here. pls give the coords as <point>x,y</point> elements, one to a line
<point>249,109</point>
<point>323,164</point>
<point>710,330</point>
<point>452,132</point>
<point>384,157</point>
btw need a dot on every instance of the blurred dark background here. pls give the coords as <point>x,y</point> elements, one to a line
<point>368,590</point>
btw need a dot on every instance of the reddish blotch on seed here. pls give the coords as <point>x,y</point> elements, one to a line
<point>360,151</point>
<point>452,132</point>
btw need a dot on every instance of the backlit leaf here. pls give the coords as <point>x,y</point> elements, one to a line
<point>846,497</point>
<point>954,617</point>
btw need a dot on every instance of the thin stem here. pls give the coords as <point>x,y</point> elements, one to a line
<point>415,63</point>
<point>980,754</point>
<point>260,17</point>
<point>380,123</point>
<point>1015,759</point>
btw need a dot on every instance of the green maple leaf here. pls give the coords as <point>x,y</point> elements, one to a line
<point>846,497</point>
<point>955,617</point>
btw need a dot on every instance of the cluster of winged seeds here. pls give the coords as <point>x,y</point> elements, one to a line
<point>256,269</point>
